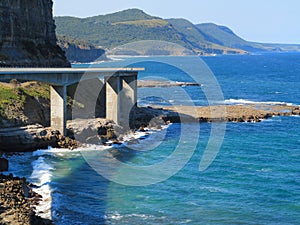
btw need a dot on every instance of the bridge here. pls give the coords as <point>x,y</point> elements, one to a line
<point>120,86</point>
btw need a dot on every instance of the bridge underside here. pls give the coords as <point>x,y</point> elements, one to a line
<point>118,85</point>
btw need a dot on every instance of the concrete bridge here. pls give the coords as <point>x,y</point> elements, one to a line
<point>120,85</point>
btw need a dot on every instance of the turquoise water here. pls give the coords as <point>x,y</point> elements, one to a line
<point>254,179</point>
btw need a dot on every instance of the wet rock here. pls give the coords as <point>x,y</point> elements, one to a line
<point>102,130</point>
<point>17,202</point>
<point>142,129</point>
<point>31,138</point>
<point>43,133</point>
<point>110,134</point>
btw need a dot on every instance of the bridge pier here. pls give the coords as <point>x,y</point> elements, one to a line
<point>121,89</point>
<point>58,108</point>
<point>121,97</point>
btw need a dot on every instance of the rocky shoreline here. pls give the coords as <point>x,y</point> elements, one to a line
<point>157,83</point>
<point>18,202</point>
<point>100,131</point>
<point>236,113</point>
<point>33,137</point>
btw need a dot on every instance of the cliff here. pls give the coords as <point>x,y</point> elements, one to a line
<point>80,51</point>
<point>27,35</point>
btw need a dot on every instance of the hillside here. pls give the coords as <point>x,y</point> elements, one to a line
<point>199,41</point>
<point>117,29</point>
<point>132,25</point>
<point>225,37</point>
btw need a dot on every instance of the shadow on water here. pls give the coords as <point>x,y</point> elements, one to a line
<point>79,193</point>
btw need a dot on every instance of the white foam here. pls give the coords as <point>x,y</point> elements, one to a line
<point>42,171</point>
<point>62,151</point>
<point>41,177</point>
<point>244,101</point>
<point>118,216</point>
<point>145,141</point>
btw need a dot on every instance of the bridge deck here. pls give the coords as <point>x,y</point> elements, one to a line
<point>63,76</point>
<point>4,71</point>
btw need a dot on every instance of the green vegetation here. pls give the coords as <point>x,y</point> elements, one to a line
<point>197,40</point>
<point>36,90</point>
<point>65,41</point>
<point>133,25</point>
<point>222,35</point>
<point>117,29</point>
<point>148,23</point>
<point>14,94</point>
<point>189,32</point>
<point>125,15</point>
<point>7,96</point>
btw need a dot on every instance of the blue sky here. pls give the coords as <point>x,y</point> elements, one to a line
<point>271,21</point>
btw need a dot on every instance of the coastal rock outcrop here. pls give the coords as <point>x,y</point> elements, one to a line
<point>18,201</point>
<point>31,138</point>
<point>27,35</point>
<point>95,131</point>
<point>235,113</point>
<point>80,51</point>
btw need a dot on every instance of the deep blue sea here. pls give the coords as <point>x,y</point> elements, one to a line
<point>253,179</point>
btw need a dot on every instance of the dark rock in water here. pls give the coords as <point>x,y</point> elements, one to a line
<point>27,35</point>
<point>17,202</point>
<point>30,138</point>
<point>142,129</point>
<point>102,130</point>
<point>3,165</point>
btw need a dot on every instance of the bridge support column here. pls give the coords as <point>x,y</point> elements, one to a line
<point>121,96</point>
<point>113,88</point>
<point>128,99</point>
<point>58,108</point>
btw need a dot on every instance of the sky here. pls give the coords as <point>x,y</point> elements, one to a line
<point>267,21</point>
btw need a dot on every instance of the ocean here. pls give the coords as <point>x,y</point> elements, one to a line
<point>253,178</point>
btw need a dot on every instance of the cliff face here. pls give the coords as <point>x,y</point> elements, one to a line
<point>80,51</point>
<point>27,35</point>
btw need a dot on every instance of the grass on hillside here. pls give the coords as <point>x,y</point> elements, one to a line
<point>14,94</point>
<point>147,23</point>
